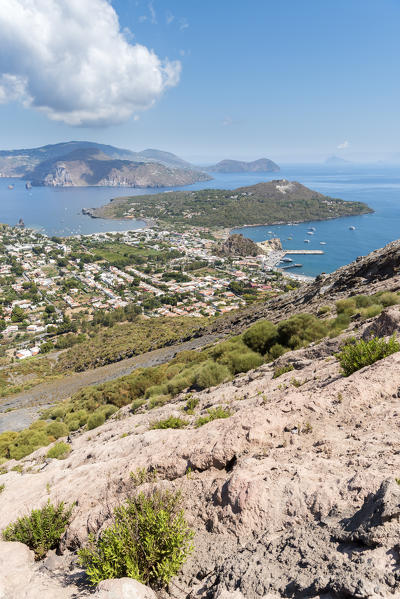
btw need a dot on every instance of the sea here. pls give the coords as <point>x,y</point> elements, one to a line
<point>58,211</point>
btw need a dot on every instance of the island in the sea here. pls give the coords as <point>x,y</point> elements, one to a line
<point>80,164</point>
<point>262,165</point>
<point>273,202</point>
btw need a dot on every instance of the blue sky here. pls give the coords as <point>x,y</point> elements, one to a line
<point>294,80</point>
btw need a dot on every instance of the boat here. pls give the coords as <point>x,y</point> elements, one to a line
<point>289,238</point>
<point>310,232</point>
<point>306,241</point>
<point>352,228</point>
<point>11,187</point>
<point>312,229</point>
<point>287,260</point>
<point>297,265</point>
<point>322,242</point>
<point>28,185</point>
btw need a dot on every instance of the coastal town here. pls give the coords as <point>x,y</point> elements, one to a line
<point>52,287</point>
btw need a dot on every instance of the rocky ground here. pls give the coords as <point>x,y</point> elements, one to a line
<point>293,496</point>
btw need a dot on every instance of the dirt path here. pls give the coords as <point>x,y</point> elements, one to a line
<point>18,411</point>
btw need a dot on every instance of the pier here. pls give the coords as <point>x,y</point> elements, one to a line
<point>309,252</point>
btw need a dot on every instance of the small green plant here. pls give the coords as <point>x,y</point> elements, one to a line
<point>171,422</point>
<point>307,428</point>
<point>59,451</point>
<point>324,310</point>
<point>191,405</point>
<point>17,468</point>
<point>149,541</point>
<point>137,404</point>
<point>141,476</point>
<point>2,487</point>
<point>282,370</point>
<point>295,382</point>
<point>213,414</point>
<point>96,419</point>
<point>357,354</point>
<point>42,529</point>
<point>3,470</point>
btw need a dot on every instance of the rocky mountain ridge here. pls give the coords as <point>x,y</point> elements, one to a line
<point>91,167</point>
<point>262,165</point>
<point>81,163</point>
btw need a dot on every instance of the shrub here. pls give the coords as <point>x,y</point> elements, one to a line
<point>191,405</point>
<point>59,451</point>
<point>211,374</point>
<point>2,487</point>
<point>242,361</point>
<point>261,336</point>
<point>158,400</point>
<point>363,301</point>
<point>96,419</point>
<point>324,310</point>
<point>57,430</point>
<point>357,354</point>
<point>346,306</point>
<point>276,351</point>
<point>299,330</point>
<point>171,422</point>
<point>149,541</point>
<point>282,370</point>
<point>42,529</point>
<point>213,414</point>
<point>388,299</point>
<point>371,311</point>
<point>137,404</point>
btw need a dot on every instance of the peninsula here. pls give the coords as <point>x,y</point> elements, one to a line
<point>272,202</point>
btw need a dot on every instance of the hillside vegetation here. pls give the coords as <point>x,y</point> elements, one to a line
<point>273,202</point>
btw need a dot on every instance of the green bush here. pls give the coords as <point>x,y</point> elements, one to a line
<point>388,299</point>
<point>59,451</point>
<point>42,529</point>
<point>363,301</point>
<point>324,310</point>
<point>191,405</point>
<point>300,330</point>
<point>242,361</point>
<point>137,404</point>
<point>371,311</point>
<point>211,374</point>
<point>357,354</point>
<point>149,541</point>
<point>57,430</point>
<point>276,351</point>
<point>96,419</point>
<point>158,400</point>
<point>346,306</point>
<point>261,336</point>
<point>171,422</point>
<point>282,370</point>
<point>213,414</point>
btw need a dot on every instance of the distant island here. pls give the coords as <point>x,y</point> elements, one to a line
<point>73,164</point>
<point>262,165</point>
<point>336,160</point>
<point>273,202</point>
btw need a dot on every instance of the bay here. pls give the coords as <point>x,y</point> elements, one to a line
<point>58,211</point>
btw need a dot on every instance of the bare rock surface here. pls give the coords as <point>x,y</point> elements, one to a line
<point>293,496</point>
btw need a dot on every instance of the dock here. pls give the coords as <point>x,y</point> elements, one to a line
<point>308,252</point>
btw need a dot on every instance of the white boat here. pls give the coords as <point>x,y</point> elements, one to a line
<point>310,232</point>
<point>352,228</point>
<point>287,260</point>
<point>306,241</point>
<point>322,242</point>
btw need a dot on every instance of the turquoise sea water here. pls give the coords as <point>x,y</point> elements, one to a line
<point>58,211</point>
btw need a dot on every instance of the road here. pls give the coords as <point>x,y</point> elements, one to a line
<point>18,411</point>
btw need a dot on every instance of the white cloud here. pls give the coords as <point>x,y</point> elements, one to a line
<point>343,145</point>
<point>153,16</point>
<point>169,17</point>
<point>70,60</point>
<point>183,23</point>
<point>227,122</point>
